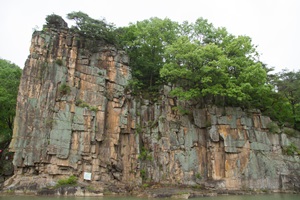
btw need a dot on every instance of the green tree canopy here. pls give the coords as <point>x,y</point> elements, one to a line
<point>55,21</point>
<point>92,28</point>
<point>288,86</point>
<point>145,42</point>
<point>210,65</point>
<point>203,64</point>
<point>10,75</point>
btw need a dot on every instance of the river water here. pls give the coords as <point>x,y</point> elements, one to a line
<point>227,197</point>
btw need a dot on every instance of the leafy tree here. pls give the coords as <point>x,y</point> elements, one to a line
<point>211,65</point>
<point>9,83</point>
<point>145,42</point>
<point>288,86</point>
<point>55,21</point>
<point>92,28</point>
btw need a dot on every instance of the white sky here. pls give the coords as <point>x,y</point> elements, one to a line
<point>273,25</point>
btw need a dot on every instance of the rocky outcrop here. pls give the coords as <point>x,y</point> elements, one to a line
<point>217,148</point>
<point>75,117</point>
<point>72,113</point>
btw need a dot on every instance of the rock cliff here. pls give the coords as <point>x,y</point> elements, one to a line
<point>76,117</point>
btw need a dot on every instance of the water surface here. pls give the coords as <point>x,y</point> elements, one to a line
<point>227,197</point>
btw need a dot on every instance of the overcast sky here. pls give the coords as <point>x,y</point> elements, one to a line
<point>273,25</point>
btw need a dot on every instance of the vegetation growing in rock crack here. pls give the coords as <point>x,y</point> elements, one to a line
<point>72,180</point>
<point>64,89</point>
<point>83,104</point>
<point>59,62</point>
<point>291,149</point>
<point>145,154</point>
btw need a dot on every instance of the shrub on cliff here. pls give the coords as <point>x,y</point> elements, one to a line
<point>55,21</point>
<point>72,180</point>
<point>64,89</point>
<point>92,28</point>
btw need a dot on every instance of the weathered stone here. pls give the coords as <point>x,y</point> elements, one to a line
<point>214,134</point>
<point>200,118</point>
<point>245,121</point>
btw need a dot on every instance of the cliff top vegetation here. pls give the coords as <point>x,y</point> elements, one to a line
<point>204,64</point>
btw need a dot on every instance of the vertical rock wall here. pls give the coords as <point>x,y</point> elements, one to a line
<point>72,113</point>
<point>219,148</point>
<point>74,116</point>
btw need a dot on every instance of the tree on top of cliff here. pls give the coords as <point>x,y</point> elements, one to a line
<point>198,59</point>
<point>204,64</point>
<point>10,75</point>
<point>145,43</point>
<point>92,28</point>
<point>55,21</point>
<point>288,83</point>
<point>207,64</point>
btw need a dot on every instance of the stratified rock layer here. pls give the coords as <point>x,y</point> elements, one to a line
<point>75,117</point>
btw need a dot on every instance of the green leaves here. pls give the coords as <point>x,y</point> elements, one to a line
<point>207,62</point>
<point>201,62</point>
<point>145,42</point>
<point>55,21</point>
<point>9,83</point>
<point>92,28</point>
<point>288,83</point>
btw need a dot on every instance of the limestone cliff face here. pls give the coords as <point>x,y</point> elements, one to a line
<point>74,116</point>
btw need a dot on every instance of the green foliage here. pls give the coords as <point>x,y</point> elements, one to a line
<point>287,83</point>
<point>145,154</point>
<point>55,21</point>
<point>72,180</point>
<point>135,86</point>
<point>203,64</point>
<point>215,67</point>
<point>97,30</point>
<point>291,149</point>
<point>93,108</point>
<point>143,174</point>
<point>145,42</point>
<point>289,131</point>
<point>90,188</point>
<point>139,129</point>
<point>64,89</point>
<point>10,75</point>
<point>198,176</point>
<point>273,127</point>
<point>181,110</point>
<point>145,185</point>
<point>82,104</point>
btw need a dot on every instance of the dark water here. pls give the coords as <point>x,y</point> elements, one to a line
<point>229,197</point>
